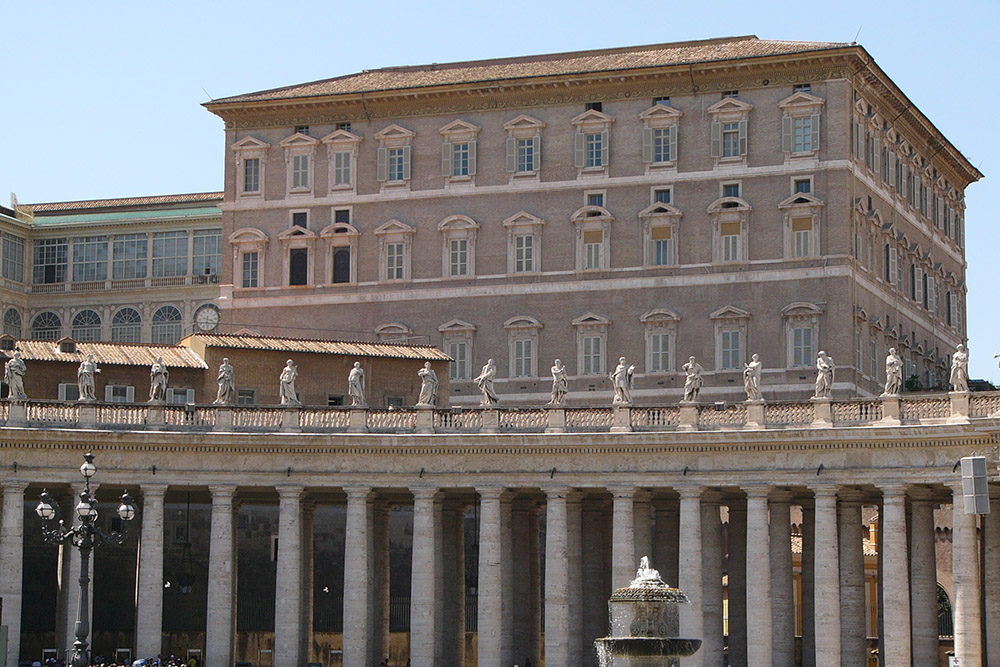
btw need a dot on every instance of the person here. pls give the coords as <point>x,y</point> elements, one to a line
<point>13,375</point>
<point>288,375</point>
<point>960,369</point>
<point>227,384</point>
<point>893,373</point>
<point>824,375</point>
<point>158,377</point>
<point>428,389</point>
<point>751,378</point>
<point>485,383</point>
<point>621,380</point>
<point>560,383</point>
<point>692,380</point>
<point>85,378</point>
<point>356,385</point>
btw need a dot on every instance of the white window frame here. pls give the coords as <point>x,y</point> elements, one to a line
<point>595,327</point>
<point>665,120</point>
<point>660,322</point>
<point>798,207</point>
<point>340,235</point>
<point>243,241</point>
<point>522,329</point>
<point>458,332</point>
<point>801,315</point>
<point>590,123</point>
<point>524,224</point>
<point>731,319</point>
<point>250,148</point>
<point>185,395</point>
<point>725,211</point>
<point>299,147</point>
<point>593,219</point>
<point>729,110</point>
<point>528,129</point>
<point>345,144</point>
<point>659,216</point>
<point>392,232</point>
<point>800,107</point>
<point>457,228</point>
<point>389,138</point>
<point>455,134</point>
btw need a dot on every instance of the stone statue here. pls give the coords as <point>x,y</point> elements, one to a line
<point>356,385</point>
<point>893,373</point>
<point>227,384</point>
<point>158,377</point>
<point>288,375</point>
<point>485,383</point>
<point>960,369</point>
<point>824,375</point>
<point>751,378</point>
<point>13,375</point>
<point>692,380</point>
<point>428,386</point>
<point>560,383</point>
<point>85,379</point>
<point>621,380</point>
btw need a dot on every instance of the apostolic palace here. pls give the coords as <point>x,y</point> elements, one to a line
<point>458,344</point>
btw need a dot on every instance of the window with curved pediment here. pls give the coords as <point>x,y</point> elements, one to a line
<point>801,213</point>
<point>660,226</point>
<point>730,222</point>
<point>342,251</point>
<point>393,332</point>
<point>801,333</point>
<point>249,247</point>
<point>591,344</point>
<point>395,241</point>
<point>522,345</point>
<point>660,327</point>
<point>456,341</point>
<point>732,328</point>
<point>458,259</point>
<point>593,238</point>
<point>524,243</point>
<point>299,245</point>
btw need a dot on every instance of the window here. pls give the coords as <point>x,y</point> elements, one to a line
<point>662,195</point>
<point>729,128</point>
<point>593,245</point>
<point>170,254</point>
<point>662,248</point>
<point>394,257</point>
<point>730,235</point>
<point>730,189</point>
<point>12,323</point>
<point>393,160</point>
<point>342,265</point>
<point>802,231</point>
<point>893,270</point>
<point>459,235</point>
<point>334,400</point>
<point>345,126</point>
<point>300,219</point>
<point>802,321</point>
<point>951,312</point>
<point>299,151</point>
<point>250,265</point>
<point>523,358</point>
<point>659,352</point>
<point>298,266</point>
<point>460,159</point>
<point>594,150</point>
<point>342,153</point>
<point>592,355</point>
<point>126,326</point>
<point>730,220</point>
<point>595,199</point>
<point>458,369</point>
<point>732,94</point>
<point>730,139</point>
<point>591,336</point>
<point>459,257</point>
<point>523,242</point>
<point>916,283</point>
<point>800,124</point>
<point>342,245</point>
<point>593,229</point>
<point>251,175</point>
<point>246,396</point>
<point>526,154</point>
<point>302,129</point>
<point>659,136</point>
<point>46,326</point>
<point>456,340</point>
<point>207,252</point>
<point>593,106</point>
<point>662,101</point>
<point>524,259</point>
<point>523,147</point>
<point>802,346</point>
<point>250,166</point>
<point>522,343</point>
<point>590,142</point>
<point>129,259</point>
<point>731,326</point>
<point>90,258</point>
<point>50,260</point>
<point>802,186</point>
<point>873,371</point>
<point>118,393</point>
<point>660,223</point>
<point>167,326</point>
<point>341,168</point>
<point>13,257</point>
<point>69,391</point>
<point>397,164</point>
<point>86,326</point>
<point>732,358</point>
<point>458,151</point>
<point>179,396</point>
<point>802,88</point>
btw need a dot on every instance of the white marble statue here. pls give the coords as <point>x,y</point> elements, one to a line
<point>824,375</point>
<point>751,378</point>
<point>893,373</point>
<point>227,384</point>
<point>158,378</point>
<point>621,380</point>
<point>13,375</point>
<point>85,379</point>
<point>692,379</point>
<point>287,384</point>
<point>428,386</point>
<point>960,369</point>
<point>485,383</point>
<point>560,383</point>
<point>356,385</point>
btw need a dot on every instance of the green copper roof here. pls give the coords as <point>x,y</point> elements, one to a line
<point>129,216</point>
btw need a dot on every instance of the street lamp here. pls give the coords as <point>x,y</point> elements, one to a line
<point>84,537</point>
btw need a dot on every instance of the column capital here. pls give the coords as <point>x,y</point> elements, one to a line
<point>825,491</point>
<point>153,491</point>
<point>558,491</point>
<point>425,493</point>
<point>357,491</point>
<point>490,492</point>
<point>13,486</point>
<point>688,491</point>
<point>893,492</point>
<point>290,492</point>
<point>850,496</point>
<point>621,491</point>
<point>758,491</point>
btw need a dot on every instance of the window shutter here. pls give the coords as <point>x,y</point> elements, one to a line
<point>472,158</point>
<point>446,159</point>
<point>130,394</point>
<point>406,163</point>
<point>107,393</point>
<point>511,155</point>
<point>604,148</point>
<point>786,134</point>
<point>647,144</point>
<point>892,169</point>
<point>536,151</point>
<point>716,139</point>
<point>170,395</point>
<point>814,129</point>
<point>382,166</point>
<point>578,150</point>
<point>673,143</point>
<point>743,137</point>
<point>899,273</point>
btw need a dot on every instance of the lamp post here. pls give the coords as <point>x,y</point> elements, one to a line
<point>84,537</point>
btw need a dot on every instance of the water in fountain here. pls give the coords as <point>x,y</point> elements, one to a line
<point>644,624</point>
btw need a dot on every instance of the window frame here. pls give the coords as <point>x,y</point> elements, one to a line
<point>391,233</point>
<point>659,216</point>
<point>458,228</point>
<point>342,142</point>
<point>592,133</point>
<point>524,224</point>
<point>802,206</point>
<point>660,322</point>
<point>523,128</point>
<point>729,111</point>
<point>660,118</point>
<point>798,107</point>
<point>730,319</point>
<point>522,329</point>
<point>300,157</point>
<point>390,139</point>
<point>727,211</point>
<point>340,235</point>
<point>248,240</point>
<point>594,328</point>
<point>590,219</point>
<point>250,148</point>
<point>458,332</point>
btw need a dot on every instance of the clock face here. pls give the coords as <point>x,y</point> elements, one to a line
<point>207,318</point>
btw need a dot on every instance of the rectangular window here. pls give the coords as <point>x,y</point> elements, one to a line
<point>342,168</point>
<point>733,94</point>
<point>300,171</point>
<point>731,190</point>
<point>595,199</point>
<point>803,186</point>
<point>802,346</point>
<point>302,129</point>
<point>873,371</point>
<point>90,258</point>
<point>593,106</point>
<point>50,261</point>
<point>952,309</point>
<point>802,134</point>
<point>526,154</point>
<point>394,261</point>
<point>345,126</point>
<point>459,257</point>
<point>730,237</point>
<point>250,263</point>
<point>730,139</point>
<point>460,159</point>
<point>662,196</point>
<point>891,268</point>
<point>13,257</point>
<point>593,242</point>
<point>802,232</point>
<point>246,396</point>
<point>802,88</point>
<point>731,355</point>
<point>170,254</point>
<point>662,101</point>
<point>922,199</point>
<point>524,253</point>
<point>397,160</point>
<point>661,145</point>
<point>594,146</point>
<point>458,369</point>
<point>592,355</point>
<point>300,219</point>
<point>117,393</point>
<point>251,175</point>
<point>662,245</point>
<point>342,215</point>
<point>659,352</point>
<point>129,256</point>
<point>207,252</point>
<point>523,355</point>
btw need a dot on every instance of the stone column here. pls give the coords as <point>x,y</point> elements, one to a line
<point>378,578</point>
<point>665,540</point>
<point>808,581</point>
<point>826,579</point>
<point>923,583</point>
<point>623,561</point>
<point>535,578</point>
<point>306,608</point>
<point>11,564</point>
<point>288,584</point>
<point>689,569</point>
<point>149,585</point>
<point>221,623</point>
<point>642,533</point>
<point>595,579</point>
<point>521,581</point>
<point>424,623</point>
<point>711,587</point>
<point>991,569</point>
<point>758,579</point>
<point>782,584</point>
<point>358,634</point>
<point>965,600</point>
<point>507,560</point>
<point>452,555</point>
<point>895,577</point>
<point>574,595</point>
<point>737,573</point>
<point>556,577</point>
<point>490,595</point>
<point>853,599</point>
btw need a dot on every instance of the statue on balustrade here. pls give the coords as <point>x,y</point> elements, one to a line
<point>960,369</point>
<point>288,375</point>
<point>485,383</point>
<point>85,379</point>
<point>13,375</point>
<point>824,375</point>
<point>751,378</point>
<point>227,384</point>
<point>622,380</point>
<point>893,373</point>
<point>692,380</point>
<point>356,385</point>
<point>158,378</point>
<point>428,386</point>
<point>560,383</point>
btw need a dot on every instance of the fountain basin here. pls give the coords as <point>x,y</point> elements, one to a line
<point>649,647</point>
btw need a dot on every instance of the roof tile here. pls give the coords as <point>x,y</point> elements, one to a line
<point>349,348</point>
<point>119,354</point>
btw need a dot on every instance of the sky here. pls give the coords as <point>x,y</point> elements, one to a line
<point>103,99</point>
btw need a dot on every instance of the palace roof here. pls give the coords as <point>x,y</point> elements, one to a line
<point>341,347</point>
<point>120,354</point>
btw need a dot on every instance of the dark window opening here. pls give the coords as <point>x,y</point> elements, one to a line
<point>302,129</point>
<point>594,106</point>
<point>342,265</point>
<point>300,220</point>
<point>298,264</point>
<point>342,215</point>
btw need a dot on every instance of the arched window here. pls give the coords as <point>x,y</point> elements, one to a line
<point>342,264</point>
<point>46,326</point>
<point>945,621</point>
<point>167,325</point>
<point>86,326</point>
<point>126,326</point>
<point>12,323</point>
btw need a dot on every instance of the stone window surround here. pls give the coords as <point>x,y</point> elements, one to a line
<point>523,223</point>
<point>660,321</point>
<point>800,314</point>
<point>797,207</point>
<point>656,216</point>
<point>246,149</point>
<point>296,238</point>
<point>456,227</point>
<point>458,131</point>
<point>342,141</point>
<point>591,122</point>
<point>340,235</point>
<point>394,136</point>
<point>587,325</point>
<point>393,332</point>
<point>459,331</point>
<point>731,318</point>
<point>720,215</point>
<point>245,240</point>
<point>800,105</point>
<point>659,117</point>
<point>729,110</point>
<point>395,231</point>
<point>592,218</point>
<point>523,127</point>
<point>299,144</point>
<point>522,327</point>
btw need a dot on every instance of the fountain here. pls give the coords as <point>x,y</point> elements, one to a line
<point>644,624</point>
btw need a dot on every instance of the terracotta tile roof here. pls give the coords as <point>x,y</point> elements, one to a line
<point>349,348</point>
<point>579,62</point>
<point>153,200</point>
<point>112,354</point>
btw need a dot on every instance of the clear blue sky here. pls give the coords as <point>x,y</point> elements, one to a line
<point>102,99</point>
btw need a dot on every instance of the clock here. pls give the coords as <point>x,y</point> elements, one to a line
<point>207,318</point>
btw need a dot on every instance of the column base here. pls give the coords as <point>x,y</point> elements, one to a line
<point>556,419</point>
<point>223,419</point>
<point>755,415</point>
<point>491,420</point>
<point>890,410</point>
<point>17,414</point>
<point>688,420</point>
<point>822,412</point>
<point>357,420</point>
<point>959,407</point>
<point>425,419</point>
<point>622,418</point>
